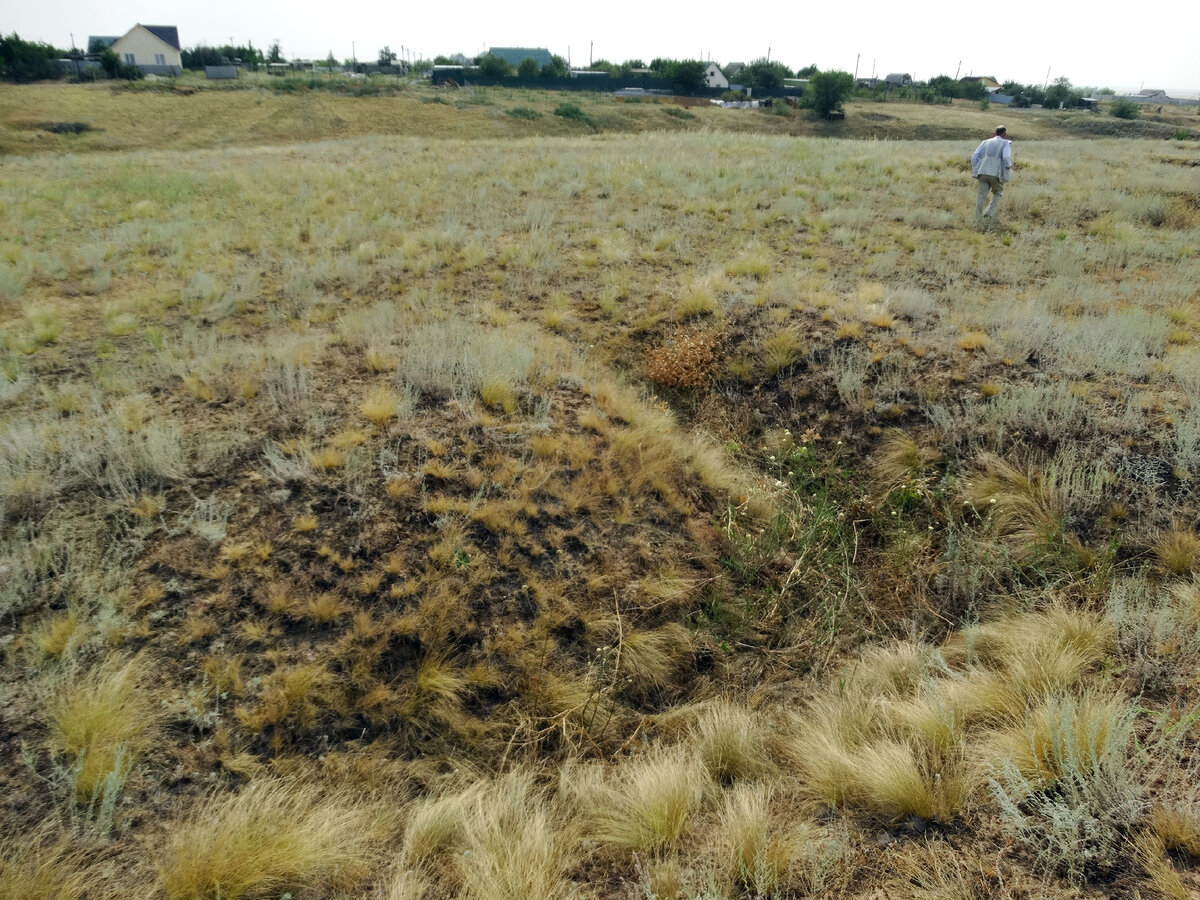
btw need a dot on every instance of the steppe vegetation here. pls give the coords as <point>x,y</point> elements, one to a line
<point>668,514</point>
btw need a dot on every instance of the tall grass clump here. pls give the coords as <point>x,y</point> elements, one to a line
<point>646,804</point>
<point>272,837</point>
<point>100,725</point>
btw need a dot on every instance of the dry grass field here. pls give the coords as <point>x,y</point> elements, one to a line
<point>405,499</point>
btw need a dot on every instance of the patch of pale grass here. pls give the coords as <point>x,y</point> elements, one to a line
<point>896,780</point>
<point>896,670</point>
<point>647,803</point>
<point>730,742</point>
<point>101,723</point>
<point>1178,828</point>
<point>1013,642</point>
<point>821,744</point>
<point>515,843</point>
<point>379,406</point>
<point>650,658</point>
<point>58,633</point>
<point>405,884</point>
<point>755,858</point>
<point>1014,502</point>
<point>781,350</point>
<point>38,865</point>
<point>1024,659</point>
<point>434,826</point>
<point>272,837</point>
<point>754,264</point>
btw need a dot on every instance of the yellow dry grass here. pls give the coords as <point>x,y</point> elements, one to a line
<point>101,722</point>
<point>272,837</point>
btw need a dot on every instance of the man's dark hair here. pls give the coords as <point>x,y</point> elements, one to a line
<point>1001,130</point>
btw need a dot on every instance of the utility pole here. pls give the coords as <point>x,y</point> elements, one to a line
<point>591,44</point>
<point>959,69</point>
<point>353,57</point>
<point>1047,81</point>
<point>856,59</point>
<point>768,54</point>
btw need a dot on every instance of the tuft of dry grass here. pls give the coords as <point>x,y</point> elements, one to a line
<point>900,460</point>
<point>781,350</point>
<point>379,406</point>
<point>730,742</point>
<point>515,843</point>
<point>41,865</point>
<point>273,836</point>
<point>756,859</point>
<point>56,635</point>
<point>1178,551</point>
<point>101,722</point>
<point>647,803</point>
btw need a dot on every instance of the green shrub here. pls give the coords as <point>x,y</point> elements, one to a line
<point>524,112</point>
<point>1125,109</point>
<point>828,91</point>
<point>677,112</point>
<point>571,111</point>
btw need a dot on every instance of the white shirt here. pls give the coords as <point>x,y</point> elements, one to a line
<point>993,157</point>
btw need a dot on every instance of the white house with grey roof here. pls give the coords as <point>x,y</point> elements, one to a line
<point>714,77</point>
<point>152,48</point>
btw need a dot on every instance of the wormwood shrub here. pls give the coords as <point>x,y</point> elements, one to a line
<point>687,360</point>
<point>1083,829</point>
<point>524,112</point>
<point>1125,109</point>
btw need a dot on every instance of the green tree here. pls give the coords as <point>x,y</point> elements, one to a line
<point>974,90</point>
<point>944,86</point>
<point>686,75</point>
<point>386,56</point>
<point>764,74</point>
<point>1060,93</point>
<point>529,68</point>
<point>827,92</point>
<point>114,68</point>
<point>556,68</point>
<point>807,71</point>
<point>28,61</point>
<point>275,53</point>
<point>493,66</point>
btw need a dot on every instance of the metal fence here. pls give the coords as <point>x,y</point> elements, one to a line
<point>600,84</point>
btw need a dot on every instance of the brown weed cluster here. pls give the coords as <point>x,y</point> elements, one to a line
<point>689,359</point>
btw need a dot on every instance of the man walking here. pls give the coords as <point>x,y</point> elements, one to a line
<point>991,165</point>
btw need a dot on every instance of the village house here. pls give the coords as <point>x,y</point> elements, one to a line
<point>714,77</point>
<point>152,48</point>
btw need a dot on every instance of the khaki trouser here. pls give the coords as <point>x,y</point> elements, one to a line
<point>988,183</point>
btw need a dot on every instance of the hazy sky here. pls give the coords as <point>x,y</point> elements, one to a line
<point>1125,46</point>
